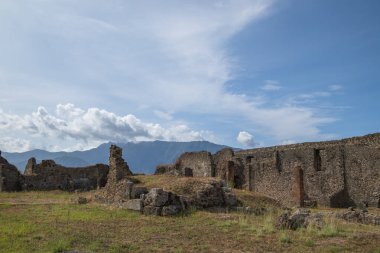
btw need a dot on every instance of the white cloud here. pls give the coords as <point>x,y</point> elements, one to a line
<point>123,56</point>
<point>271,85</point>
<point>14,144</point>
<point>245,139</point>
<point>89,126</point>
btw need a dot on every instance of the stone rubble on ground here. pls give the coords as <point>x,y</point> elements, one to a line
<point>155,202</point>
<point>301,218</point>
<point>358,216</point>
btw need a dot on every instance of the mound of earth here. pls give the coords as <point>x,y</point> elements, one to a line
<point>205,192</point>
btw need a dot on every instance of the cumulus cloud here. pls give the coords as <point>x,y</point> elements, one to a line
<point>93,124</point>
<point>170,59</point>
<point>245,139</point>
<point>14,144</point>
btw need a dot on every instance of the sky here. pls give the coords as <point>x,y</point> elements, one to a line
<point>245,73</point>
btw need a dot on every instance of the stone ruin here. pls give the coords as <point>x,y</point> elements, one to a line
<point>303,218</point>
<point>117,178</point>
<point>48,175</point>
<point>121,189</point>
<point>10,177</point>
<point>116,185</point>
<point>154,202</point>
<point>333,173</point>
<point>125,191</point>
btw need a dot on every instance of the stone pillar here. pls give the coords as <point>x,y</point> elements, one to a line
<point>248,173</point>
<point>298,192</point>
<point>230,177</point>
<point>2,179</point>
<point>119,169</point>
<point>30,167</point>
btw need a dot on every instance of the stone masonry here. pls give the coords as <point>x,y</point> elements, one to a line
<point>333,173</point>
<point>51,176</point>
<point>48,175</point>
<point>119,169</point>
<point>198,164</point>
<point>10,177</point>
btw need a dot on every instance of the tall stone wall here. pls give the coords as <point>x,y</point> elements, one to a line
<point>363,174</point>
<point>280,174</point>
<point>333,173</point>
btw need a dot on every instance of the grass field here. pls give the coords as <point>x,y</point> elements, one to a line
<point>52,222</point>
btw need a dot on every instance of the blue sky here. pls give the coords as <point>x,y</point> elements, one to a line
<point>75,74</point>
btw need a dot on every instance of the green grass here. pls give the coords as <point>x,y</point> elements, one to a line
<point>62,225</point>
<point>331,228</point>
<point>284,237</point>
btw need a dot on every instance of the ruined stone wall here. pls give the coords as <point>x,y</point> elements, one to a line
<point>10,177</point>
<point>333,173</point>
<point>117,179</point>
<point>220,160</point>
<point>296,176</point>
<point>199,164</point>
<point>51,176</point>
<point>363,174</point>
<point>119,169</point>
<point>167,169</point>
<point>31,167</point>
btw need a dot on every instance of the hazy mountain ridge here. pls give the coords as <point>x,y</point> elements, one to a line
<point>141,157</point>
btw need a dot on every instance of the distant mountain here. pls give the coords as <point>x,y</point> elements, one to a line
<point>142,157</point>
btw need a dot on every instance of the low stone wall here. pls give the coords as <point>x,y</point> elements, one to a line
<point>51,176</point>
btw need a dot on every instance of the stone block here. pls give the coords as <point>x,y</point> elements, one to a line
<point>156,197</point>
<point>137,191</point>
<point>129,189</point>
<point>134,204</point>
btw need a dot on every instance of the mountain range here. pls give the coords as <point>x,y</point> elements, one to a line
<point>142,157</point>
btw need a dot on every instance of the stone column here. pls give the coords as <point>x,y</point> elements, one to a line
<point>30,168</point>
<point>2,179</point>
<point>298,192</point>
<point>118,168</point>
